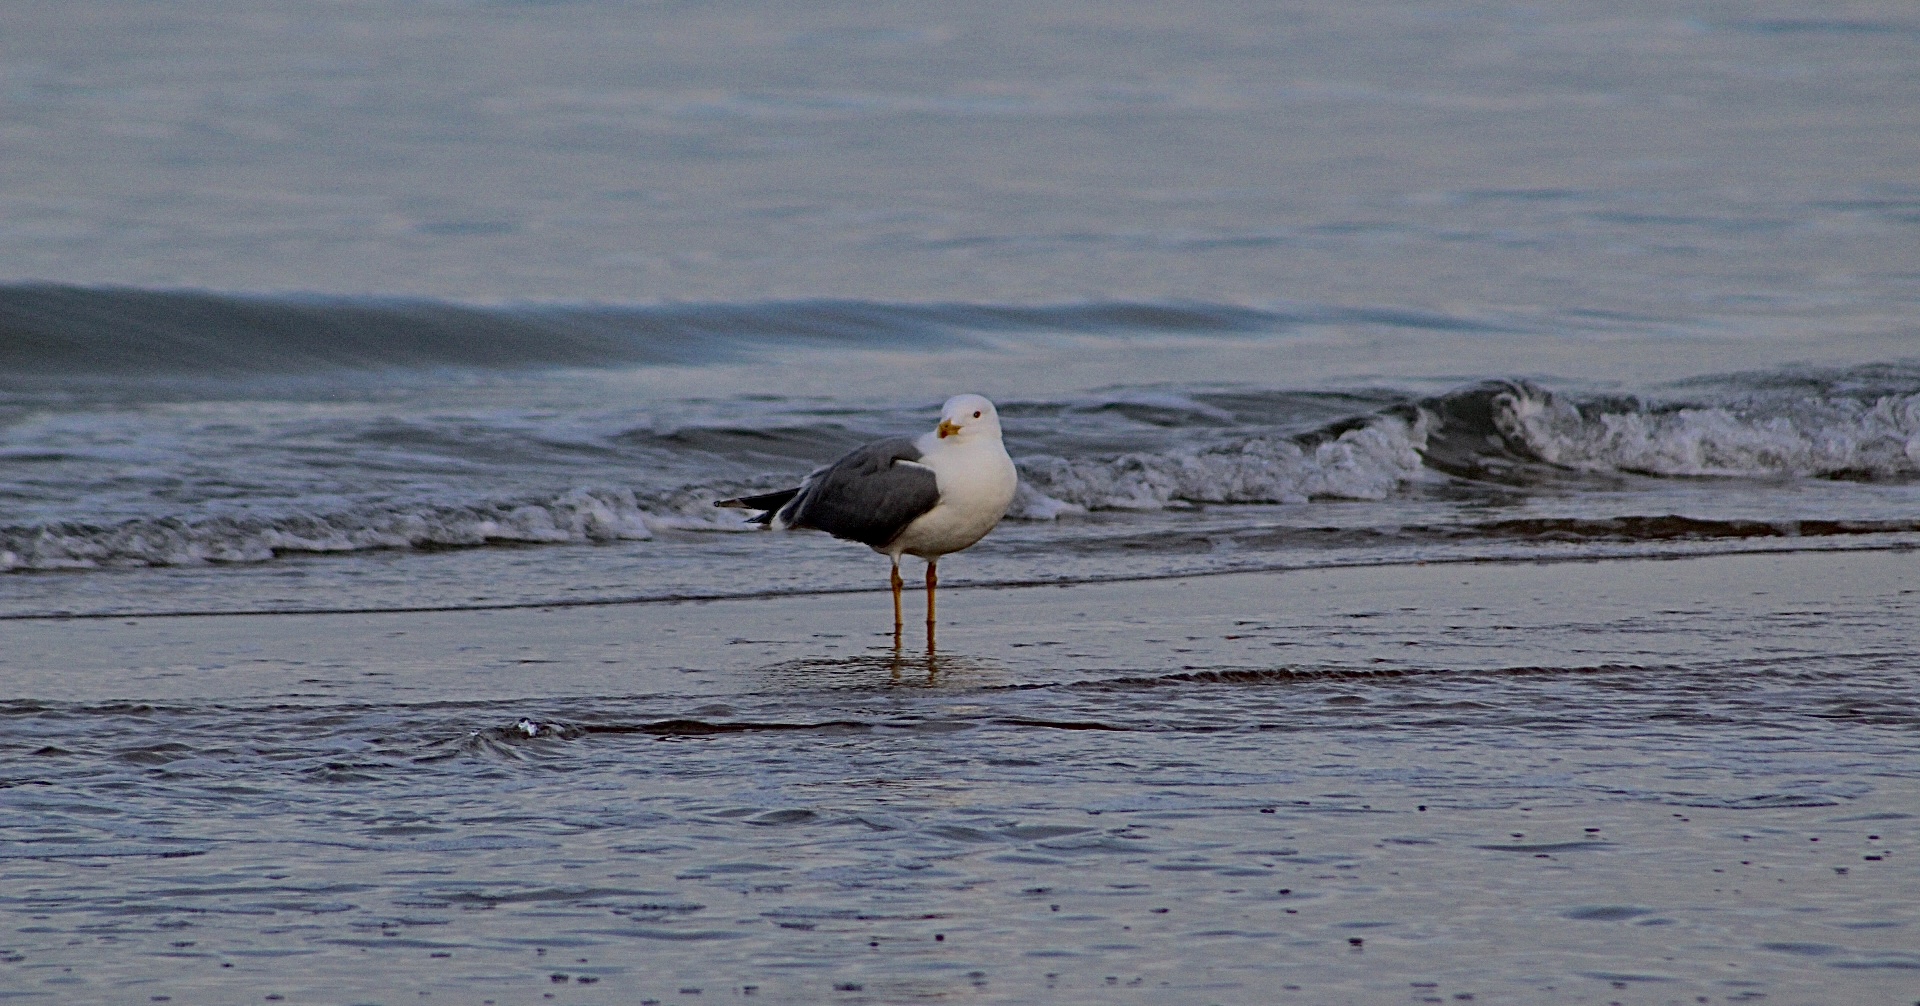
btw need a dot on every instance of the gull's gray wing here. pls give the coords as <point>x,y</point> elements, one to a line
<point>868,496</point>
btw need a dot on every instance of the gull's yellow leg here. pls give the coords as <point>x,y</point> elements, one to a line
<point>897,584</point>
<point>933,581</point>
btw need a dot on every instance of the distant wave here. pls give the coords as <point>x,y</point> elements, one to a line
<point>49,330</point>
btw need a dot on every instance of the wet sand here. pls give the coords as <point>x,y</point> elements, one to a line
<point>1433,617</point>
<point>1614,781</point>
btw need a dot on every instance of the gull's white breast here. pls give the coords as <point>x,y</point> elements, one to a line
<point>976,482</point>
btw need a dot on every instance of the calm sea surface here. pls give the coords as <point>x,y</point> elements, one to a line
<point>1480,446</point>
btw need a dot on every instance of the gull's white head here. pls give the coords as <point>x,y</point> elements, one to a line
<point>968,417</point>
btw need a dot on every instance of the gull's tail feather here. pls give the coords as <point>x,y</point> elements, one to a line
<point>767,504</point>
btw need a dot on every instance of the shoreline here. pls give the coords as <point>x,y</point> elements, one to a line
<point>966,585</point>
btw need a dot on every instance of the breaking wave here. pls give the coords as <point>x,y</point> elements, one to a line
<point>1511,432</point>
<point>1230,447</point>
<point>1821,437</point>
<point>1367,462</point>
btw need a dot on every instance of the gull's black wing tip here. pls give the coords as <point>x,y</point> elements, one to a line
<point>768,502</point>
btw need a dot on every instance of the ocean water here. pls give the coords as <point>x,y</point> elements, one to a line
<point>326,454</point>
<point>1507,411</point>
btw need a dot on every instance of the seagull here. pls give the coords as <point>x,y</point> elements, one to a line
<point>924,496</point>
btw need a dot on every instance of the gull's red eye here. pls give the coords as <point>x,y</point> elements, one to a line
<point>976,415</point>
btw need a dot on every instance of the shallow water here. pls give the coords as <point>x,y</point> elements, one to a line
<point>1613,781</point>
<point>1511,413</point>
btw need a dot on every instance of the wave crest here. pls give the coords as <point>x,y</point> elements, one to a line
<point>1367,462</point>
<point>50,330</point>
<point>1803,437</point>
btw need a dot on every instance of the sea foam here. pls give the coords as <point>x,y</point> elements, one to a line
<point>1365,463</point>
<point>1797,437</point>
<point>581,515</point>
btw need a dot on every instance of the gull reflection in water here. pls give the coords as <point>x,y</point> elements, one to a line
<point>892,666</point>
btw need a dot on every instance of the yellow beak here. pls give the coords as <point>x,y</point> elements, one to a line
<point>946,429</point>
